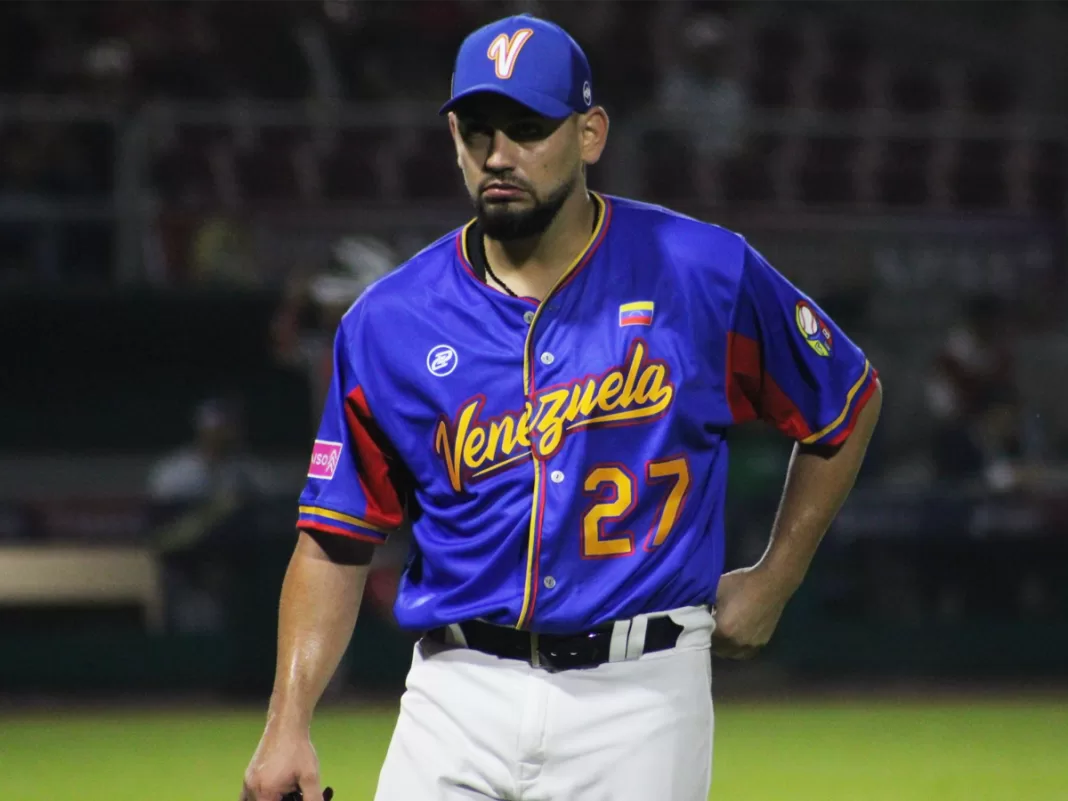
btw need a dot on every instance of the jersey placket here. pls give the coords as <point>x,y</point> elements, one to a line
<point>533,357</point>
<point>537,362</point>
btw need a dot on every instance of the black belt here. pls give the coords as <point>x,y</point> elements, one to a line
<point>557,651</point>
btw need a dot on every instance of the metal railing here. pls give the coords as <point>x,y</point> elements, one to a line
<point>131,209</point>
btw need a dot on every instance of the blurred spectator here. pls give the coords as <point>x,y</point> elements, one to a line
<point>983,446</point>
<point>701,92</point>
<point>193,492</point>
<point>312,306</point>
<point>221,253</point>
<point>108,73</point>
<point>214,467</point>
<point>982,432</point>
<point>975,360</point>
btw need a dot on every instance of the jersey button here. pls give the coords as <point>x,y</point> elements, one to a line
<point>556,476</point>
<point>549,582</point>
<point>546,358</point>
<point>528,317</point>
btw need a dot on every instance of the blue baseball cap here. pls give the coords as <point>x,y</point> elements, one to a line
<point>530,60</point>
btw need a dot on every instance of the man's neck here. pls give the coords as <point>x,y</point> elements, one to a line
<point>531,267</point>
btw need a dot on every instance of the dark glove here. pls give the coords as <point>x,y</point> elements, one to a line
<point>297,795</point>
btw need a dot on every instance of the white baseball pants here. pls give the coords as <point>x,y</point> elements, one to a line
<point>479,728</point>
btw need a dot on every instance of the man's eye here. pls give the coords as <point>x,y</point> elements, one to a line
<point>474,129</point>
<point>525,131</point>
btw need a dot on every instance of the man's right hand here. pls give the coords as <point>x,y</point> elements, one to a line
<point>284,761</point>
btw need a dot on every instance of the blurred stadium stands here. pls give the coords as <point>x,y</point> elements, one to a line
<point>172,172</point>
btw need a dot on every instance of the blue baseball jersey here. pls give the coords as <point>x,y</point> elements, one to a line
<point>564,463</point>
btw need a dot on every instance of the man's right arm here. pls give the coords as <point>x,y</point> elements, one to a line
<point>353,499</point>
<point>320,601</point>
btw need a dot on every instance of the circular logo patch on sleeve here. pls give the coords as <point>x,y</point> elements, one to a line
<point>813,329</point>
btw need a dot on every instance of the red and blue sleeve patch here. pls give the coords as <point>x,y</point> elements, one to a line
<point>789,365</point>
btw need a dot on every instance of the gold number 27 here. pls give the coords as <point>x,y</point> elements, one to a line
<point>613,489</point>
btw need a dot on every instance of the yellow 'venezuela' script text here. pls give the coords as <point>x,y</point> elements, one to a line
<point>472,448</point>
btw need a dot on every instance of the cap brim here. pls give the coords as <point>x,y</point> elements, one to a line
<point>535,101</point>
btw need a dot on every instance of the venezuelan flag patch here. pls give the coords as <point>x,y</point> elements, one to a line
<point>637,313</point>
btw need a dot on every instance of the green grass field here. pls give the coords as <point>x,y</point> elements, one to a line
<point>856,751</point>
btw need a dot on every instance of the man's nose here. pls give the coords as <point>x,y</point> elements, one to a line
<point>501,154</point>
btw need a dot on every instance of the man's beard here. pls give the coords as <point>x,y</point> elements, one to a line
<point>505,224</point>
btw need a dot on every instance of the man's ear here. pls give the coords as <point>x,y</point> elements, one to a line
<point>454,131</point>
<point>593,134</point>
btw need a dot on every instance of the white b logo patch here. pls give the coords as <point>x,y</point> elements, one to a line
<point>504,50</point>
<point>587,93</point>
<point>441,360</point>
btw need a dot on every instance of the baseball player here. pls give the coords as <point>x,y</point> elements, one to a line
<point>546,396</point>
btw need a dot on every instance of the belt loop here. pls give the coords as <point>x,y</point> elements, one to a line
<point>456,633</point>
<point>636,640</point>
<point>617,646</point>
<point>535,656</point>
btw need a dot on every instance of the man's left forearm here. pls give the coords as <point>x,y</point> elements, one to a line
<point>817,483</point>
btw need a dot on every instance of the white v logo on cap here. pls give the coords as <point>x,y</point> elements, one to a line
<point>504,50</point>
<point>552,81</point>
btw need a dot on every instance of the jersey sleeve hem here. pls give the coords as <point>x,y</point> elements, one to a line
<point>839,429</point>
<point>331,522</point>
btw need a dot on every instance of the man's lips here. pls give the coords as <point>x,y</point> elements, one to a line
<point>501,191</point>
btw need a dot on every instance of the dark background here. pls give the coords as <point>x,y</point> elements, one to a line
<point>191,192</point>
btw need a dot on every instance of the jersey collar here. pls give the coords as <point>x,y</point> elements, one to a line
<point>472,252</point>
